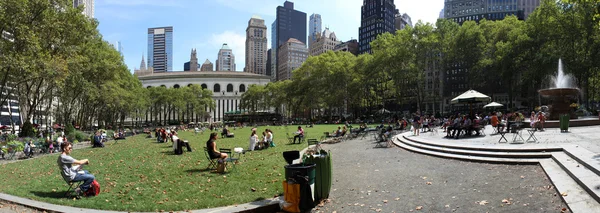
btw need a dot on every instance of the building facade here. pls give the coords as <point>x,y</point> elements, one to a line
<point>325,41</point>
<point>273,53</point>
<point>289,23</point>
<point>471,10</point>
<point>88,7</point>
<point>528,6</point>
<point>225,59</point>
<point>348,46</point>
<point>160,49</point>
<point>314,28</point>
<point>377,17</point>
<point>227,87</point>
<point>268,63</point>
<point>207,66</point>
<point>291,56</point>
<point>402,21</point>
<point>256,46</point>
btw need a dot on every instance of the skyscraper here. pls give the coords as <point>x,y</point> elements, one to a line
<point>289,23</point>
<point>256,46</point>
<point>377,17</point>
<point>314,27</point>
<point>225,59</point>
<point>191,65</point>
<point>88,7</point>
<point>160,49</point>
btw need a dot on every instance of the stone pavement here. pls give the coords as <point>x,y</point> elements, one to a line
<point>395,180</point>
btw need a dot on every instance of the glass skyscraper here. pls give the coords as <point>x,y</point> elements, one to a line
<point>289,23</point>
<point>314,27</point>
<point>160,49</point>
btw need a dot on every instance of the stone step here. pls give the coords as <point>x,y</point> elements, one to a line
<point>403,145</point>
<point>460,151</point>
<point>584,157</point>
<point>571,192</point>
<point>515,148</point>
<point>586,178</point>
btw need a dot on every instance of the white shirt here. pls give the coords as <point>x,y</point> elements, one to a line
<point>175,138</point>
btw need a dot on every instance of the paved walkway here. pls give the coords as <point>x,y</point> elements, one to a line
<point>395,180</point>
<point>585,137</point>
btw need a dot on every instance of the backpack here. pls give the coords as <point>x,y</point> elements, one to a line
<point>94,189</point>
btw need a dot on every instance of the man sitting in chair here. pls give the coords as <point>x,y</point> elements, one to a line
<point>71,170</point>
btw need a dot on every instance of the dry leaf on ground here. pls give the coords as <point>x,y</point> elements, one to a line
<point>419,207</point>
<point>483,202</point>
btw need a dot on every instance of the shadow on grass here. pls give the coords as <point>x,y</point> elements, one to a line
<point>170,152</point>
<point>50,194</point>
<point>199,170</point>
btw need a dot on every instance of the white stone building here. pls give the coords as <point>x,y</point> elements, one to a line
<point>227,86</point>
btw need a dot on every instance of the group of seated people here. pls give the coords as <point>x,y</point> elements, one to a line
<point>225,133</point>
<point>537,120</point>
<point>465,124</point>
<point>263,143</point>
<point>338,133</point>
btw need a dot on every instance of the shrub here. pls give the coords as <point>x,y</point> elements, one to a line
<point>27,130</point>
<point>18,144</point>
<point>69,129</point>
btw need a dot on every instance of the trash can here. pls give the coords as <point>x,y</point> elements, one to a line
<point>303,174</point>
<point>323,174</point>
<point>564,122</point>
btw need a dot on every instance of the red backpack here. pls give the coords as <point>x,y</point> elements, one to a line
<point>93,190</point>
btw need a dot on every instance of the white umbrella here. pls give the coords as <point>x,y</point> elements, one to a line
<point>469,97</point>
<point>493,104</point>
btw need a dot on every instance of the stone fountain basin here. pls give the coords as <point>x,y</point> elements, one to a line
<point>559,92</point>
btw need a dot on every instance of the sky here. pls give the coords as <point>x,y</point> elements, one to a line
<point>207,24</point>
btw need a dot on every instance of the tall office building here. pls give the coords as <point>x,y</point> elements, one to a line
<point>325,41</point>
<point>160,49</point>
<point>268,73</point>
<point>314,28</point>
<point>441,14</point>
<point>291,56</point>
<point>469,10</point>
<point>256,46</point>
<point>273,53</point>
<point>377,17</point>
<point>191,65</point>
<point>88,7</point>
<point>225,59</point>
<point>289,23</point>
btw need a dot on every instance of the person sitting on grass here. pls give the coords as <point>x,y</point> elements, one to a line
<point>71,169</point>
<point>253,141</point>
<point>211,147</point>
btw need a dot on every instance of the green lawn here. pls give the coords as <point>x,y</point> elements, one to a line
<point>138,174</point>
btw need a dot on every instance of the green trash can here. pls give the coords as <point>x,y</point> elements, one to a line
<point>323,176</point>
<point>564,122</point>
<point>303,174</point>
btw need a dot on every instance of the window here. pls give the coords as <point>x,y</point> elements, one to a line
<point>149,87</point>
<point>204,86</point>
<point>242,88</point>
<point>176,86</point>
<point>229,88</point>
<point>217,88</point>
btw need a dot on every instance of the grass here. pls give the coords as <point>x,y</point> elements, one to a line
<point>139,174</point>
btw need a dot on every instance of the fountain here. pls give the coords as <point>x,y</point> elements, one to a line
<point>561,93</point>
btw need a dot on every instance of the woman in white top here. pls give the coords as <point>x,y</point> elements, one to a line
<point>253,140</point>
<point>270,138</point>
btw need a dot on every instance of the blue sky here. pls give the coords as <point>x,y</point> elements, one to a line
<point>207,24</point>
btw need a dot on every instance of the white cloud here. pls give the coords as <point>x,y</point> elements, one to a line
<point>236,41</point>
